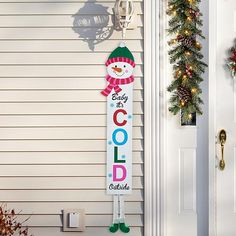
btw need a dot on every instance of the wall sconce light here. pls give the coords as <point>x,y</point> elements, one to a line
<point>124,13</point>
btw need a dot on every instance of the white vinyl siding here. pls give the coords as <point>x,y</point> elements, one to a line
<point>53,117</point>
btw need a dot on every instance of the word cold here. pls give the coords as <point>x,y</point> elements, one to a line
<point>119,142</point>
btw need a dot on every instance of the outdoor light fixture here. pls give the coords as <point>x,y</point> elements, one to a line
<point>124,12</point>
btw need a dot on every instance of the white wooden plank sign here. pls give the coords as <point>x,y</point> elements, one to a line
<point>119,92</point>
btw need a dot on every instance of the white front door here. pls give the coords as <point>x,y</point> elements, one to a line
<point>225,118</point>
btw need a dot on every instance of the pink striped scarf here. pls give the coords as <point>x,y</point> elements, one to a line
<point>114,83</point>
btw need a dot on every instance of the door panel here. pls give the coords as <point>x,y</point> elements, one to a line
<point>225,119</point>
<point>181,179</point>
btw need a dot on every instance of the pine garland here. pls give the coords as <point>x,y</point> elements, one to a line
<point>185,55</point>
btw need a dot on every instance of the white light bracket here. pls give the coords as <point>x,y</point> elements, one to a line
<point>124,16</point>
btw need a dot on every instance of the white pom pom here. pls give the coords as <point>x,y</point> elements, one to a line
<point>122,44</point>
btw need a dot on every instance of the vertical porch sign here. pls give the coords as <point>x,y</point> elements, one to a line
<point>119,92</point>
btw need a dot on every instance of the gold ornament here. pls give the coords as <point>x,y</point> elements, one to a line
<point>191,1</point>
<point>187,32</point>
<point>178,73</point>
<point>198,45</point>
<point>187,53</point>
<point>172,41</point>
<point>189,18</point>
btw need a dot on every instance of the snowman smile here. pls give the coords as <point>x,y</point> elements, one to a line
<point>119,74</point>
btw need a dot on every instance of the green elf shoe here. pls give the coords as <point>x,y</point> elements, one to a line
<point>124,228</point>
<point>113,228</point>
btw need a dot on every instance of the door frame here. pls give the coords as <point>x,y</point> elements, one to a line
<point>153,122</point>
<point>212,116</point>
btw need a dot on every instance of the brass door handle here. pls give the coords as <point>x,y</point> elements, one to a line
<point>222,138</point>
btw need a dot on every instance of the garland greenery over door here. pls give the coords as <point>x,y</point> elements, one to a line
<point>185,55</point>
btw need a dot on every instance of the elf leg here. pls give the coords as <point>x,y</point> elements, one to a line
<point>123,227</point>
<point>114,227</point>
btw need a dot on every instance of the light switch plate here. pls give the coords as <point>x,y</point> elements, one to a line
<point>74,220</point>
<point>66,220</point>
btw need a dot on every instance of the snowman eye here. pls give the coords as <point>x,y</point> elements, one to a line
<point>115,66</point>
<point>124,66</point>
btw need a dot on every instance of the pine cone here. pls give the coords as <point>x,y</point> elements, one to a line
<point>184,94</point>
<point>187,41</point>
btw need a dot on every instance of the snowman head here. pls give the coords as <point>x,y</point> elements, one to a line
<point>120,70</point>
<point>120,64</point>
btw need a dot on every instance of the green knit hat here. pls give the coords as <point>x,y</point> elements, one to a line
<point>121,54</point>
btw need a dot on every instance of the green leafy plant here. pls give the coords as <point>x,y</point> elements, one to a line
<point>185,55</point>
<point>9,224</point>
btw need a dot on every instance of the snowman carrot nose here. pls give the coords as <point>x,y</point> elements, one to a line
<point>117,69</point>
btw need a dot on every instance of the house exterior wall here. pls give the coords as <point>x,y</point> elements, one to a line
<point>52,116</point>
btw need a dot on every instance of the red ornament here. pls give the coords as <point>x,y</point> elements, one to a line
<point>194,13</point>
<point>189,71</point>
<point>233,57</point>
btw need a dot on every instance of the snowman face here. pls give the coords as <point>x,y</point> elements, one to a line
<point>120,70</point>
